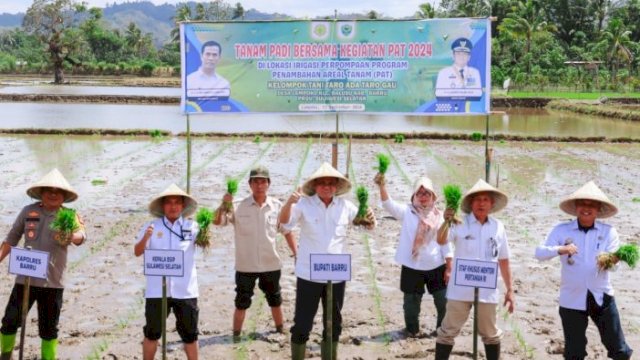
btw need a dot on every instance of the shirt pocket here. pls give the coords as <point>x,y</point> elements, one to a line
<point>244,225</point>
<point>31,229</point>
<point>271,223</point>
<point>341,223</point>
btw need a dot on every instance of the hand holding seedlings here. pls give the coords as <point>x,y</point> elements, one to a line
<point>627,253</point>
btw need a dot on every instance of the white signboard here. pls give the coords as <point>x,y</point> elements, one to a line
<point>330,267</point>
<point>31,263</point>
<point>476,273</point>
<point>164,262</point>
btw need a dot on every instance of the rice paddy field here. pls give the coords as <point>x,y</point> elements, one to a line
<point>103,311</point>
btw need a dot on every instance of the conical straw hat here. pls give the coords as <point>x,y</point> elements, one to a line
<point>190,204</point>
<point>499,198</point>
<point>589,191</point>
<point>326,170</point>
<point>53,179</point>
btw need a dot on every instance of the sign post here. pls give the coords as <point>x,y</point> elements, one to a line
<point>329,268</point>
<point>28,263</point>
<point>164,263</point>
<point>477,274</point>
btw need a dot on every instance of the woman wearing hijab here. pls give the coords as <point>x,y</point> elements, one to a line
<point>424,262</point>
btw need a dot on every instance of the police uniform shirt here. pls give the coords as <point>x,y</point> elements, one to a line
<point>180,235</point>
<point>451,78</point>
<point>583,275</point>
<point>34,222</point>
<point>323,229</point>
<point>476,241</point>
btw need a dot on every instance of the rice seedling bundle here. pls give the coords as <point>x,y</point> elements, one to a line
<point>65,224</point>
<point>204,218</point>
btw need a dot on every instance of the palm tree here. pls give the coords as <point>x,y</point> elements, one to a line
<point>471,8</point>
<point>526,21</point>
<point>426,11</point>
<point>183,13</point>
<point>616,45</point>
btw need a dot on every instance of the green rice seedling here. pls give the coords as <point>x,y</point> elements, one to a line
<point>383,163</point>
<point>257,139</point>
<point>232,188</point>
<point>363,197</point>
<point>452,197</point>
<point>627,253</point>
<point>204,218</point>
<point>398,138</point>
<point>155,133</point>
<point>96,182</point>
<point>636,199</point>
<point>476,136</point>
<point>65,223</point>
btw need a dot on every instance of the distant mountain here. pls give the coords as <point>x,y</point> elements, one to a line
<point>155,19</point>
<point>11,20</point>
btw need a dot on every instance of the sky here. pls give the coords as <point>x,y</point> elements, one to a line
<point>297,8</point>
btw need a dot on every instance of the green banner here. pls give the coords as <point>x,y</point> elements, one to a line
<point>437,67</point>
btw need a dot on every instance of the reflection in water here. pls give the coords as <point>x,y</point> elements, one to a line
<point>533,122</point>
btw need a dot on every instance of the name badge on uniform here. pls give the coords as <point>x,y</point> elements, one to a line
<point>187,235</point>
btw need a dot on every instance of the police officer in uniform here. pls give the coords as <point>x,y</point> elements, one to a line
<point>34,222</point>
<point>459,75</point>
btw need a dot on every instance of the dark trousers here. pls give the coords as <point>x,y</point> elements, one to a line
<point>49,306</point>
<point>606,318</point>
<point>308,295</point>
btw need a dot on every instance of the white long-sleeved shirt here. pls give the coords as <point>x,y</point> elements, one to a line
<point>431,255</point>
<point>323,229</point>
<point>583,275</point>
<point>164,238</point>
<point>476,241</point>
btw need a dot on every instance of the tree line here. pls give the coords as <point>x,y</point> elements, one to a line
<point>582,45</point>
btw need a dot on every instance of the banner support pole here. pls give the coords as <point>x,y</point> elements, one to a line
<point>188,154</point>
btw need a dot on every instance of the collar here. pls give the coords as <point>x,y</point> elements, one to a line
<point>577,226</point>
<point>267,202</point>
<point>472,219</point>
<point>316,199</point>
<point>178,221</point>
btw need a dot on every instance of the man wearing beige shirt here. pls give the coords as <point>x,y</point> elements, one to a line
<point>255,222</point>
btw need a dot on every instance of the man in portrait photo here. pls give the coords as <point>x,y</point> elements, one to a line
<point>459,79</point>
<point>206,82</point>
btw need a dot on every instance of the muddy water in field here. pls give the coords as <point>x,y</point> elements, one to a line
<point>531,122</point>
<point>103,308</point>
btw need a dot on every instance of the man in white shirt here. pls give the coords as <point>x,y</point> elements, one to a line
<point>480,237</point>
<point>171,231</point>
<point>585,289</point>
<point>323,218</point>
<point>206,82</point>
<point>459,79</point>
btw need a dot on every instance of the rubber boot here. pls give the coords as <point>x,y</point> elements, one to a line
<point>492,351</point>
<point>48,349</point>
<point>298,351</point>
<point>411,308</point>
<point>7,343</point>
<point>440,301</point>
<point>324,350</point>
<point>443,351</point>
